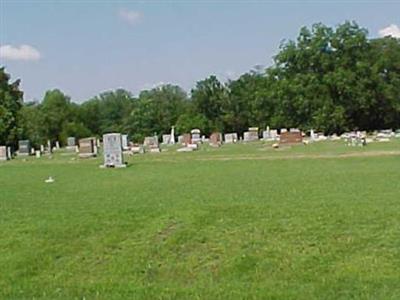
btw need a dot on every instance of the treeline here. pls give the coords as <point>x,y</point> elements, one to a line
<point>329,79</point>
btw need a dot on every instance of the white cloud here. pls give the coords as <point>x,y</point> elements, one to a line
<point>392,30</point>
<point>23,52</point>
<point>130,16</point>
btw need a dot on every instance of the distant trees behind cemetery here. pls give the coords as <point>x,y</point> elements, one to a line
<point>329,79</point>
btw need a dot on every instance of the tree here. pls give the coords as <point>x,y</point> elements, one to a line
<point>208,98</point>
<point>56,110</point>
<point>11,101</point>
<point>156,110</point>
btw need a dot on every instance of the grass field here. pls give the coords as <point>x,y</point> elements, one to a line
<point>241,222</point>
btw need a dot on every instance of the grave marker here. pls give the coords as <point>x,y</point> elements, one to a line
<point>230,138</point>
<point>4,153</point>
<point>113,156</point>
<point>24,147</point>
<point>290,138</point>
<point>196,137</point>
<point>216,139</point>
<point>87,147</point>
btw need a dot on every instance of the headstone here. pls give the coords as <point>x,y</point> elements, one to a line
<point>180,139</point>
<point>251,135</point>
<point>38,153</point>
<point>112,147</point>
<point>42,148</point>
<point>150,141</point>
<point>230,138</point>
<point>124,139</point>
<point>9,152</point>
<point>166,139</point>
<point>283,130</point>
<point>312,135</point>
<point>57,145</point>
<point>24,147</point>
<point>187,139</point>
<point>49,146</point>
<point>274,134</point>
<point>4,153</point>
<point>216,139</point>
<point>294,130</point>
<point>290,138</point>
<point>172,136</point>
<point>71,143</point>
<point>32,151</point>
<point>267,134</point>
<point>196,137</point>
<point>87,147</point>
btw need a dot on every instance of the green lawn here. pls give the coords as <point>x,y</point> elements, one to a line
<point>241,222</point>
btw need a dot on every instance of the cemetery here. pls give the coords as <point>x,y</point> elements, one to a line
<point>141,159</point>
<point>171,213</point>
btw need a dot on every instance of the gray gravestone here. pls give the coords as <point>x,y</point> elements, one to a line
<point>112,145</point>
<point>24,147</point>
<point>71,142</point>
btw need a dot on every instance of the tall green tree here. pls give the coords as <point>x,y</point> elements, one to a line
<point>11,101</point>
<point>156,110</point>
<point>208,98</point>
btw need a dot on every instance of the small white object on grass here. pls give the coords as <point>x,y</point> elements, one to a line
<point>49,180</point>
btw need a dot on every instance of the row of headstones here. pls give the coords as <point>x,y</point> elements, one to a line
<point>25,149</point>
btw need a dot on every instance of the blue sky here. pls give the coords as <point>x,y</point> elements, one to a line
<point>87,47</point>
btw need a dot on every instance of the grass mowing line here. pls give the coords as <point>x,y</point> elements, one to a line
<point>286,157</point>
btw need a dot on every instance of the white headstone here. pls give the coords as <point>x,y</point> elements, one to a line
<point>196,137</point>
<point>312,135</point>
<point>230,138</point>
<point>172,136</point>
<point>124,138</point>
<point>113,156</point>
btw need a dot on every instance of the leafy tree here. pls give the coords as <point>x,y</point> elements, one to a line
<point>208,98</point>
<point>11,101</point>
<point>156,110</point>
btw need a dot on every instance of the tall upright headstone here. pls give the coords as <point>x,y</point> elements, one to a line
<point>71,143</point>
<point>172,136</point>
<point>165,139</point>
<point>112,146</point>
<point>4,153</point>
<point>24,147</point>
<point>124,140</point>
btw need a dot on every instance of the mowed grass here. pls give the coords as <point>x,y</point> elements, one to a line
<point>241,222</point>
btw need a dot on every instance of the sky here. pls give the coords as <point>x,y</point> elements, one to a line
<point>87,47</point>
